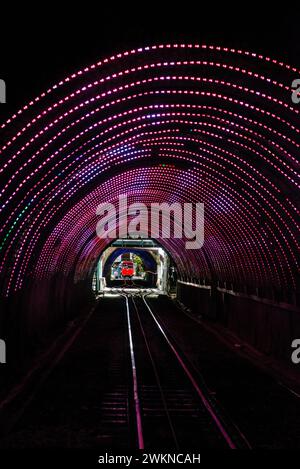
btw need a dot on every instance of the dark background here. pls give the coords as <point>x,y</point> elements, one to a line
<point>42,45</point>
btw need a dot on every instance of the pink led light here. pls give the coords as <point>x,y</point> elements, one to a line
<point>241,126</point>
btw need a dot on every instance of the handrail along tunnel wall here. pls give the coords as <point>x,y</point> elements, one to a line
<point>164,123</point>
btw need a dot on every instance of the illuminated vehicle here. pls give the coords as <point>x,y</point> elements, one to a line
<point>127,269</point>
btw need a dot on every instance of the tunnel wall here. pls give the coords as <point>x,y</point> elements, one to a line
<point>196,298</point>
<point>265,325</point>
<point>161,123</point>
<point>33,317</point>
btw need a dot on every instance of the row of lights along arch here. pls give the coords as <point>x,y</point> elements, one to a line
<point>221,121</point>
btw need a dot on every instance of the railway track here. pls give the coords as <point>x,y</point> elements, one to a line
<point>172,410</point>
<point>129,386</point>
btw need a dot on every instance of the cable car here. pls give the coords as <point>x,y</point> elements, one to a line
<point>127,269</point>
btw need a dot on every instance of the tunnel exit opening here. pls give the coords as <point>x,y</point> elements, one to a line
<point>134,263</point>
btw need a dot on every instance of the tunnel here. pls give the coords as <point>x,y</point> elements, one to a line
<point>168,123</point>
<point>164,123</point>
<point>153,261</point>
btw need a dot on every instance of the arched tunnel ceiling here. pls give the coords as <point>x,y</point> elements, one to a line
<point>220,120</point>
